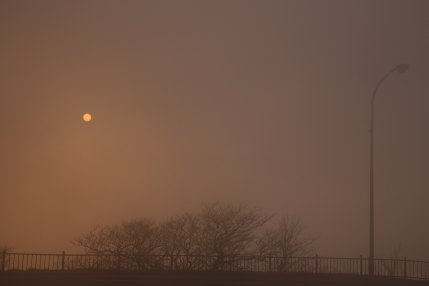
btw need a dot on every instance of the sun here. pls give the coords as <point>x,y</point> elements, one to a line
<point>87,117</point>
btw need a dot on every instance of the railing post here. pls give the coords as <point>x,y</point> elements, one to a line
<point>405,267</point>
<point>317,263</point>
<point>119,262</point>
<point>269,263</point>
<point>361,265</point>
<point>3,259</point>
<point>63,260</point>
<point>171,263</point>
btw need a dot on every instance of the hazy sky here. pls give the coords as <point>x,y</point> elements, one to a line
<point>258,102</point>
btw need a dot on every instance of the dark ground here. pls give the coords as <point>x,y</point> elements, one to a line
<point>251,279</point>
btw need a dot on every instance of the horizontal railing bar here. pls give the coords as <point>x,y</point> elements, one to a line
<point>387,267</point>
<point>213,256</point>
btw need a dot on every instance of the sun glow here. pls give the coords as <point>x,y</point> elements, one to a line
<point>87,117</point>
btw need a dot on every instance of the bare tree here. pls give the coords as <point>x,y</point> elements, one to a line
<point>209,239</point>
<point>228,230</point>
<point>131,242</point>
<point>103,240</point>
<point>144,241</point>
<point>285,240</point>
<point>142,236</point>
<point>181,241</point>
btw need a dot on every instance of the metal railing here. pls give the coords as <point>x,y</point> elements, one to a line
<point>395,268</point>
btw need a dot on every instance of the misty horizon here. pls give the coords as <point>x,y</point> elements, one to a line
<point>261,103</point>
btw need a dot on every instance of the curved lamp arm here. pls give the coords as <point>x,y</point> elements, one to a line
<point>401,68</point>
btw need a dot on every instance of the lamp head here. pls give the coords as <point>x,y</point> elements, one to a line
<point>401,68</point>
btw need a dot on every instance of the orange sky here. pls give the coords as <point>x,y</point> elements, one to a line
<point>261,102</point>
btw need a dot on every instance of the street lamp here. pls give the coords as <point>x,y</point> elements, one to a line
<point>401,68</point>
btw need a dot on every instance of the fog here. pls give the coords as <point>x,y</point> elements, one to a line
<point>265,103</point>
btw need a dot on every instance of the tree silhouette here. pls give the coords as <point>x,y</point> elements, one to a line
<point>211,239</point>
<point>228,230</point>
<point>285,240</point>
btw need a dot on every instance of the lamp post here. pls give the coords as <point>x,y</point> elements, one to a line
<point>401,68</point>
